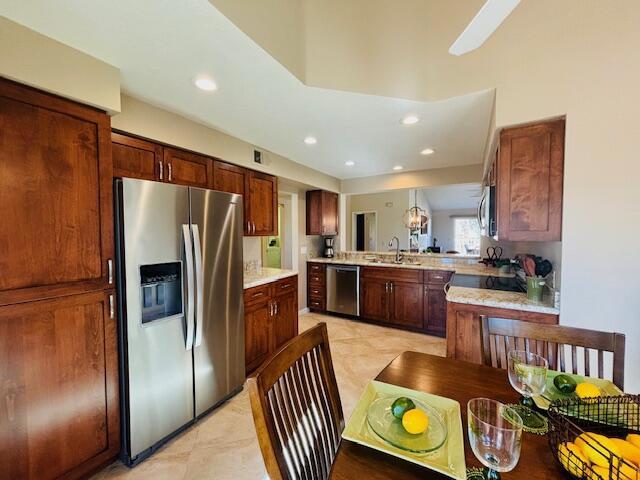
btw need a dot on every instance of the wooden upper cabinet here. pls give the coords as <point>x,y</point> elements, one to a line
<point>529,182</point>
<point>136,158</point>
<point>228,178</point>
<point>55,196</point>
<point>59,387</point>
<point>186,168</point>
<point>261,204</point>
<point>322,212</point>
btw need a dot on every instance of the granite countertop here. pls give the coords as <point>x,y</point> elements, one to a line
<point>500,299</point>
<point>467,269</point>
<point>266,275</point>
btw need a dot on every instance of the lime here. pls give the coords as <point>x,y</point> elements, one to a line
<point>401,405</point>
<point>565,384</point>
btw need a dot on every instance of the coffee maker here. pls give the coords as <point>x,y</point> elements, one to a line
<point>328,247</point>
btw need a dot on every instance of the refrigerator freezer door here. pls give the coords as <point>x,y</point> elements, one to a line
<point>160,364</point>
<point>218,350</point>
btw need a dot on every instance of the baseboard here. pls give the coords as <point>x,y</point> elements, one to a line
<point>303,311</point>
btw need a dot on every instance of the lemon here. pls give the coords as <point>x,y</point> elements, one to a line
<point>415,421</point>
<point>573,459</point>
<point>598,473</point>
<point>597,448</point>
<point>587,390</point>
<point>629,451</point>
<point>634,438</point>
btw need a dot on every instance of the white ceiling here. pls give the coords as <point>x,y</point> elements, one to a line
<point>161,45</point>
<point>453,197</point>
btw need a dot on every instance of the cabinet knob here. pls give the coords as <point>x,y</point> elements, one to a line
<point>161,170</point>
<point>169,168</point>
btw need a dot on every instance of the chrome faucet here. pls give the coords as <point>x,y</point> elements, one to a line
<point>398,254</point>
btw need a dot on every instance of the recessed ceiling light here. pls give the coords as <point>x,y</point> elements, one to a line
<point>205,83</point>
<point>398,167</point>
<point>349,163</point>
<point>427,151</point>
<point>410,120</point>
<point>310,140</point>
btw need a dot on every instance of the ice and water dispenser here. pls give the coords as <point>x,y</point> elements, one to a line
<point>160,290</point>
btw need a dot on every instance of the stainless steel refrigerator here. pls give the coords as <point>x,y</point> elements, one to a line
<point>181,313</point>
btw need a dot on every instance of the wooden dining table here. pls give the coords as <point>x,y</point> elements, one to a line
<point>459,381</point>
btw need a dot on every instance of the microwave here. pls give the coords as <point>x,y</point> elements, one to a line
<point>487,212</point>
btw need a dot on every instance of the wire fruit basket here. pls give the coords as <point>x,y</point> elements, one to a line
<point>581,433</point>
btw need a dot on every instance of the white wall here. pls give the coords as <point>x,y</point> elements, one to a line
<point>444,227</point>
<point>389,217</point>
<point>33,59</point>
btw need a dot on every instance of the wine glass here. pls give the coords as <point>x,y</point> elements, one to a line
<point>528,376</point>
<point>495,435</point>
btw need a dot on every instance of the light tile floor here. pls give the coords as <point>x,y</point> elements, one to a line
<point>224,446</point>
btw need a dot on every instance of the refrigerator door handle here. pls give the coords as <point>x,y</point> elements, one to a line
<point>188,253</point>
<point>197,249</point>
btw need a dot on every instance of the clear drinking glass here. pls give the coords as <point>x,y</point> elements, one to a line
<point>495,435</point>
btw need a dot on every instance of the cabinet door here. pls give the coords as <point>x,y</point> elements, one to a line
<point>185,168</point>
<point>530,176</point>
<point>285,325</point>
<point>228,178</point>
<point>406,304</point>
<point>435,309</point>
<point>329,213</point>
<point>55,196</point>
<point>257,333</point>
<point>59,386</point>
<point>374,301</point>
<point>135,158</point>
<point>314,212</point>
<point>261,204</point>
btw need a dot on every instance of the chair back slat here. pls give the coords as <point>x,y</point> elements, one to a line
<point>600,364</point>
<point>561,354</point>
<point>587,362</point>
<point>552,341</point>
<point>296,408</point>
<point>552,350</point>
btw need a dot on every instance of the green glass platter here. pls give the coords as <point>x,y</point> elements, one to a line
<point>381,420</point>
<point>551,393</point>
<point>447,459</point>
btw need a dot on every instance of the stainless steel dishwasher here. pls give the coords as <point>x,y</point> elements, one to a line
<point>343,289</point>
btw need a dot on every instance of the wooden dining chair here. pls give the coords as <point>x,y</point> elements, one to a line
<point>296,408</point>
<point>500,335</point>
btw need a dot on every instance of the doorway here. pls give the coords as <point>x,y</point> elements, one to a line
<point>364,228</point>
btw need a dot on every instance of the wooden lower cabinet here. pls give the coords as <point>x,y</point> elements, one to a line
<point>464,338</point>
<point>374,301</point>
<point>271,319</point>
<point>257,333</point>
<point>316,288</point>
<point>59,413</point>
<point>435,310</point>
<point>406,304</point>
<point>285,319</point>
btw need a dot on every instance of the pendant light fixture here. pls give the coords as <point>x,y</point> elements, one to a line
<point>415,217</point>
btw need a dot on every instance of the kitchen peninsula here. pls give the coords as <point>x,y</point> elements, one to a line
<point>422,293</point>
